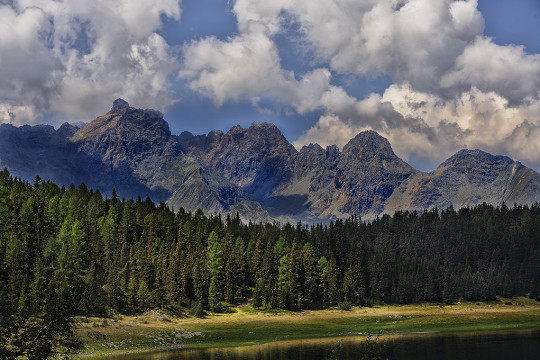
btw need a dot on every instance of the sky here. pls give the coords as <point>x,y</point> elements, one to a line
<point>432,76</point>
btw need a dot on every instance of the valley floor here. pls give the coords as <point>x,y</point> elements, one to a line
<point>155,331</point>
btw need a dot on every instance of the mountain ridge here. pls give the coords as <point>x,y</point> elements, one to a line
<point>255,170</point>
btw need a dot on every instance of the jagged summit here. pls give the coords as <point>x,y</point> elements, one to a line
<point>367,143</point>
<point>475,155</point>
<point>311,148</point>
<point>255,170</point>
<point>125,123</point>
<point>264,126</point>
<point>120,106</point>
<point>258,158</point>
<point>67,129</point>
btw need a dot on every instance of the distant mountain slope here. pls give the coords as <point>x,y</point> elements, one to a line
<point>256,171</point>
<point>41,150</point>
<point>364,176</point>
<point>467,178</point>
<point>129,149</point>
<point>259,159</point>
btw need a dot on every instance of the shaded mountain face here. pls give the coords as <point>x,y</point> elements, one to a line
<point>129,149</point>
<point>366,173</point>
<point>313,183</point>
<point>41,150</point>
<point>358,180</point>
<point>134,149</point>
<point>258,159</point>
<point>256,171</point>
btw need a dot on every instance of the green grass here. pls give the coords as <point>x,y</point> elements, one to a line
<point>246,326</point>
<point>223,335</point>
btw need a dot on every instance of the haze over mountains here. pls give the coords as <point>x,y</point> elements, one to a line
<point>256,171</point>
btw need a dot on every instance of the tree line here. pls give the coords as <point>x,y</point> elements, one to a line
<point>94,254</point>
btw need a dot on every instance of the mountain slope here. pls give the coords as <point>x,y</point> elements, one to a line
<point>468,178</point>
<point>259,159</point>
<point>367,172</point>
<point>129,149</point>
<point>256,171</point>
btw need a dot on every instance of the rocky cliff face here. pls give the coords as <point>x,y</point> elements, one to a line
<point>135,149</point>
<point>256,171</point>
<point>468,178</point>
<point>258,159</point>
<point>28,151</point>
<point>358,180</point>
<point>367,173</point>
<point>129,149</point>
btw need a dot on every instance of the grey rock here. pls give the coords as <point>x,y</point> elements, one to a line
<point>258,159</point>
<point>468,178</point>
<point>256,171</point>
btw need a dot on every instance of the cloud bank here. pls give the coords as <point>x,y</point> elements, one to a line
<point>453,87</point>
<point>71,57</point>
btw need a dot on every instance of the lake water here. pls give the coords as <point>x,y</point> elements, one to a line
<point>492,346</point>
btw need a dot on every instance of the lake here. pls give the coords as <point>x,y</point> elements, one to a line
<point>498,346</point>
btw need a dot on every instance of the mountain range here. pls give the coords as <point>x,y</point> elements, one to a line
<point>256,171</point>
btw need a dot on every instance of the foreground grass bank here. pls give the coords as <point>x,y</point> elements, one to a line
<point>155,331</point>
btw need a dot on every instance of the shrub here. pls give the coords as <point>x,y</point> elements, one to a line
<point>196,309</point>
<point>345,305</point>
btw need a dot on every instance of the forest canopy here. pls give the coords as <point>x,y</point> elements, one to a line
<point>101,254</point>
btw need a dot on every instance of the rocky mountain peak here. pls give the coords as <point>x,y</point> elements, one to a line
<point>332,151</point>
<point>259,159</point>
<point>124,122</point>
<point>264,126</point>
<point>368,143</point>
<point>130,139</point>
<point>120,106</point>
<point>67,129</point>
<point>255,170</point>
<point>470,177</point>
<point>466,157</point>
<point>311,148</point>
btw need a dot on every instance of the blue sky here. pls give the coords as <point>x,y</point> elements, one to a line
<point>513,22</point>
<point>433,76</point>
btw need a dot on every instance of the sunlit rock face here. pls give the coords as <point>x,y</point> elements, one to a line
<point>468,178</point>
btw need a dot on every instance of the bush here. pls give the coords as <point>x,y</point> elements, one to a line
<point>196,309</point>
<point>345,305</point>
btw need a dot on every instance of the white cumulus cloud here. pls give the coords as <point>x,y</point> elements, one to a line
<point>426,128</point>
<point>71,57</point>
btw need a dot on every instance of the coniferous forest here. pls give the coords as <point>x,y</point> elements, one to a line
<point>94,254</point>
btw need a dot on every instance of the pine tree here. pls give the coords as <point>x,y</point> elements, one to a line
<point>295,277</point>
<point>353,287</point>
<point>322,267</point>
<point>215,268</point>
<point>311,281</point>
<point>508,288</point>
<point>332,282</point>
<point>284,300</point>
<point>534,289</point>
<point>258,294</point>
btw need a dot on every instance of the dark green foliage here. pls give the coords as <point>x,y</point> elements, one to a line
<point>345,305</point>
<point>336,352</point>
<point>373,348</point>
<point>258,294</point>
<point>196,309</point>
<point>534,291</point>
<point>130,256</point>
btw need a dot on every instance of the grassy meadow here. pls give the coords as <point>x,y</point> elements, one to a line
<point>240,326</point>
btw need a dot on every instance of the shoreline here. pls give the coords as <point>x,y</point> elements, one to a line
<point>154,332</point>
<point>303,341</point>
